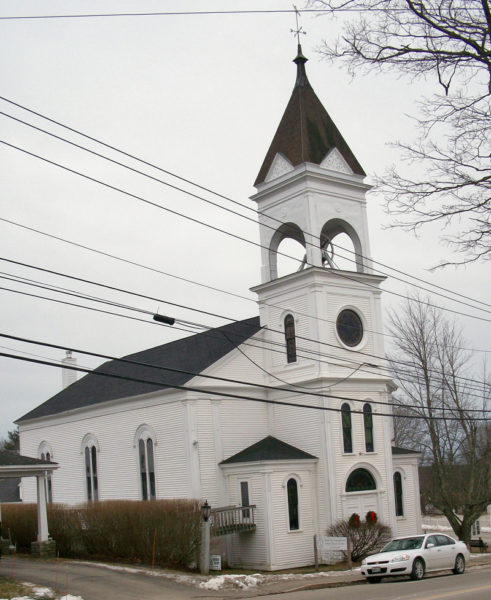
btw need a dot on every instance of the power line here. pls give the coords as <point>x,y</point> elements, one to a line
<point>160,384</point>
<point>201,326</point>
<point>214,377</point>
<point>219,12</point>
<point>183,306</point>
<point>190,281</point>
<point>228,233</point>
<point>227,198</point>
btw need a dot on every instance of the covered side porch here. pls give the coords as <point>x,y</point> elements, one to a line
<point>16,465</point>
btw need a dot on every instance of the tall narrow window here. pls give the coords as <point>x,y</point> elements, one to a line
<point>368,423</point>
<point>91,473</point>
<point>147,469</point>
<point>291,344</point>
<point>346,422</point>
<point>398,494</point>
<point>244,498</point>
<point>292,491</point>
<point>47,482</point>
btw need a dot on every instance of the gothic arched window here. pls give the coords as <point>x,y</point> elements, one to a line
<point>346,423</point>
<point>147,468</point>
<point>360,480</point>
<point>90,453</point>
<point>398,494</point>
<point>292,492</point>
<point>291,344</point>
<point>368,424</point>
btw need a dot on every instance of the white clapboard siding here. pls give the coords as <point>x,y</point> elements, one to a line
<point>293,548</point>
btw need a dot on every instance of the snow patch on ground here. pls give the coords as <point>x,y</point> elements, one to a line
<point>219,582</point>
<point>37,593</point>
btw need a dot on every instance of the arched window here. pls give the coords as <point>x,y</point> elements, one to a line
<point>360,480</point>
<point>291,345</point>
<point>90,452</point>
<point>147,469</point>
<point>45,453</point>
<point>368,423</point>
<point>292,492</point>
<point>398,494</point>
<point>346,422</point>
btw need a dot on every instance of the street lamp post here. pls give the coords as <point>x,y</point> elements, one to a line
<point>205,539</point>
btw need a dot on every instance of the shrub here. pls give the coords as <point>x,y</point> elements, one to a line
<point>366,538</point>
<point>371,517</point>
<point>115,530</point>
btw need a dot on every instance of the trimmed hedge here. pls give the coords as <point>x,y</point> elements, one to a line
<point>114,530</point>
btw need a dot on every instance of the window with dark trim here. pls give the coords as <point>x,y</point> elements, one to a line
<point>91,473</point>
<point>346,423</point>
<point>291,344</point>
<point>147,469</point>
<point>292,491</point>
<point>368,423</point>
<point>398,494</point>
<point>244,498</point>
<point>360,480</point>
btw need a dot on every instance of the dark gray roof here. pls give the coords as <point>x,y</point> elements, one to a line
<point>9,458</point>
<point>193,354</point>
<point>396,450</point>
<point>306,132</point>
<point>269,448</point>
<point>9,489</point>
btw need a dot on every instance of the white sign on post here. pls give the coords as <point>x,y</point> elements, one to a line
<point>331,543</point>
<point>215,562</point>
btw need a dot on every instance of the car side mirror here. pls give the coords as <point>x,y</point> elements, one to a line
<point>430,545</point>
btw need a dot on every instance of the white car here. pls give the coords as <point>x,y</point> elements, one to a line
<point>414,556</point>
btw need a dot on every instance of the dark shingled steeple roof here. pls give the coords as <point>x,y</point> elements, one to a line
<point>306,132</point>
<point>194,354</point>
<point>269,448</point>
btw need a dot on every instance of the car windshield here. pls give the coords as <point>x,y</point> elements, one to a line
<point>411,543</point>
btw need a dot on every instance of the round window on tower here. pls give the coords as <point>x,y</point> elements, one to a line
<point>349,327</point>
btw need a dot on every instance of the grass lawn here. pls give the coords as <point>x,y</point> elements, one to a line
<point>9,588</point>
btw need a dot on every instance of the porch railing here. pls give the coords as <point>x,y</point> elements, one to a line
<point>232,519</point>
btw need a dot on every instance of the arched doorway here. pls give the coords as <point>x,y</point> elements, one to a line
<point>361,494</point>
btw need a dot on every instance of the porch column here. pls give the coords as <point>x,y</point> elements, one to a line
<point>43,533</point>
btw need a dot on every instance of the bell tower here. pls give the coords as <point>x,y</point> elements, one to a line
<point>311,188</point>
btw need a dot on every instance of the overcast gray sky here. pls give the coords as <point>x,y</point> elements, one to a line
<point>200,96</point>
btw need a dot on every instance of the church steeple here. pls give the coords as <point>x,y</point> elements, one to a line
<point>306,132</point>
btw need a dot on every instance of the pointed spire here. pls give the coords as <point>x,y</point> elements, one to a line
<point>306,132</point>
<point>300,61</point>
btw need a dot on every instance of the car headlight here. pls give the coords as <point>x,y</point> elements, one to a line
<point>400,558</point>
<point>364,561</point>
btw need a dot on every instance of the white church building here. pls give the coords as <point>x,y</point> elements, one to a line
<point>287,412</point>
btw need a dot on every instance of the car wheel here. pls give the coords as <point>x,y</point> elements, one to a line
<point>374,579</point>
<point>418,571</point>
<point>459,567</point>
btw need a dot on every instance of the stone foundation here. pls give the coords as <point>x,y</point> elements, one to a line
<point>43,549</point>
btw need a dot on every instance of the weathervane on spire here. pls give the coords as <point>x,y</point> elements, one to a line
<point>299,29</point>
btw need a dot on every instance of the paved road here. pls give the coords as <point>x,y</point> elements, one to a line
<point>475,584</point>
<point>92,582</point>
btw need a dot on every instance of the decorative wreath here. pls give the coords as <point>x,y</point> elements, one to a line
<point>371,517</point>
<point>354,520</point>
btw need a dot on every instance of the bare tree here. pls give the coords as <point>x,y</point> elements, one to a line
<point>440,394</point>
<point>451,42</point>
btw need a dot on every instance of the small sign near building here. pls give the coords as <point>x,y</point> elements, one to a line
<point>332,543</point>
<point>323,543</point>
<point>215,562</point>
